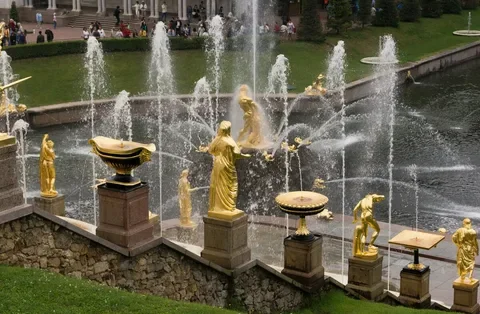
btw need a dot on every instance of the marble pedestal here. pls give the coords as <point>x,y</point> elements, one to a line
<point>225,242</point>
<point>465,296</point>
<point>11,195</point>
<point>414,287</point>
<point>187,234</point>
<point>155,222</point>
<point>52,205</point>
<point>365,277</point>
<point>124,215</point>
<point>303,261</point>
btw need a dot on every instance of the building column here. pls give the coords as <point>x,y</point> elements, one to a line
<point>74,5</point>
<point>54,4</point>
<point>155,11</point>
<point>208,9</point>
<point>129,8</point>
<point>179,9</point>
<point>213,9</point>
<point>184,10</point>
<point>125,7</point>
<point>49,5</point>
<point>99,5</point>
<point>152,9</point>
<point>79,7</point>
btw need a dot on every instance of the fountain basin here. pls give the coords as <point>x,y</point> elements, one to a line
<point>378,61</point>
<point>468,33</point>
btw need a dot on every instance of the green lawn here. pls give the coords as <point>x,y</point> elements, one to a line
<point>36,291</point>
<point>60,79</point>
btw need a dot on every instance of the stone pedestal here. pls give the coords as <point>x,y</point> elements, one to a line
<point>11,195</point>
<point>465,296</point>
<point>303,261</point>
<point>187,234</point>
<point>155,222</point>
<point>53,205</point>
<point>414,287</point>
<point>124,216</point>
<point>365,277</point>
<point>225,242</point>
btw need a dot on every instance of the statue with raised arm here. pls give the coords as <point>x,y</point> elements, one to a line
<point>47,168</point>
<point>5,106</point>
<point>223,181</point>
<point>465,238</point>
<point>250,135</point>
<point>365,206</point>
<point>184,200</point>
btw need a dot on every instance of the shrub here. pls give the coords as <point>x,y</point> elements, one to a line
<point>451,7</point>
<point>339,15</point>
<point>365,11</point>
<point>431,8</point>
<point>410,11</point>
<point>469,4</point>
<point>387,14</point>
<point>14,12</point>
<point>310,28</point>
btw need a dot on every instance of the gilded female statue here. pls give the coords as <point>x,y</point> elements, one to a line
<point>184,199</point>
<point>361,230</point>
<point>465,238</point>
<point>47,168</point>
<point>250,136</point>
<point>223,182</point>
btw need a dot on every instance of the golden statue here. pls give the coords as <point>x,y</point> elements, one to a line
<point>185,201</point>
<point>268,157</point>
<point>361,230</point>
<point>4,105</point>
<point>465,238</point>
<point>251,134</point>
<point>316,89</point>
<point>223,182</point>
<point>47,168</point>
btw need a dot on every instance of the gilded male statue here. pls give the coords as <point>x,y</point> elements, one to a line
<point>250,135</point>
<point>223,181</point>
<point>465,238</point>
<point>361,230</point>
<point>47,168</point>
<point>184,199</point>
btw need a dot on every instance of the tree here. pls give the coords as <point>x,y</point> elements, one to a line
<point>386,14</point>
<point>431,8</point>
<point>339,15</point>
<point>410,11</point>
<point>470,4</point>
<point>310,28</point>
<point>452,6</point>
<point>365,11</point>
<point>14,12</point>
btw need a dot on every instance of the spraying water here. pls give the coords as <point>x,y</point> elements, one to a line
<point>202,98</point>
<point>469,25</point>
<point>20,130</point>
<point>122,116</point>
<point>214,53</point>
<point>95,83</point>
<point>413,173</point>
<point>254,45</point>
<point>7,76</point>
<point>161,78</point>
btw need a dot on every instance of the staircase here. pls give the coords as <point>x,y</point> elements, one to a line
<point>108,22</point>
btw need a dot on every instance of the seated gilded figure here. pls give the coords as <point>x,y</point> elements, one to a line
<point>361,230</point>
<point>250,135</point>
<point>465,238</point>
<point>223,181</point>
<point>47,168</point>
<point>316,89</point>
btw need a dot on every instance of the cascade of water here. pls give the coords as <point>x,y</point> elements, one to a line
<point>20,130</point>
<point>123,116</point>
<point>161,78</point>
<point>254,45</point>
<point>216,46</point>
<point>413,173</point>
<point>202,98</point>
<point>95,82</point>
<point>385,96</point>
<point>7,76</point>
<point>469,21</point>
<point>336,82</point>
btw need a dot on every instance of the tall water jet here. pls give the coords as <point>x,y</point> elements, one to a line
<point>336,84</point>
<point>385,84</point>
<point>20,130</point>
<point>95,85</point>
<point>160,79</point>
<point>122,116</point>
<point>7,76</point>
<point>254,45</point>
<point>413,171</point>
<point>202,98</point>
<point>215,49</point>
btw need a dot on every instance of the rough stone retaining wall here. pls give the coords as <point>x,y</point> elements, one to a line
<point>158,267</point>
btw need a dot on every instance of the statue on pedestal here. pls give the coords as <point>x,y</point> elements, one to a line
<point>223,181</point>
<point>361,230</point>
<point>250,135</point>
<point>316,89</point>
<point>47,168</point>
<point>184,200</point>
<point>465,238</point>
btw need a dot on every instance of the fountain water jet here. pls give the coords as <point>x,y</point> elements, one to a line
<point>413,173</point>
<point>122,116</point>
<point>7,76</point>
<point>20,130</point>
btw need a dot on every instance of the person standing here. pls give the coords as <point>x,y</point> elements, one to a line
<point>143,8</point>
<point>136,7</point>
<point>6,36</point>
<point>49,34</point>
<point>178,27</point>
<point>164,12</point>
<point>101,32</point>
<point>40,38</point>
<point>39,19</point>
<point>116,13</point>
<point>54,20</point>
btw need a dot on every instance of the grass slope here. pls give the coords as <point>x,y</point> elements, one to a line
<point>61,79</point>
<point>36,291</point>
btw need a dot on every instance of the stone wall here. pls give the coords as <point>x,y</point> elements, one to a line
<point>157,268</point>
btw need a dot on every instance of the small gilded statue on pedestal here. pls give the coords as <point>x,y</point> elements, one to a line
<point>47,168</point>
<point>465,238</point>
<point>185,201</point>
<point>223,181</point>
<point>250,135</point>
<point>361,230</point>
